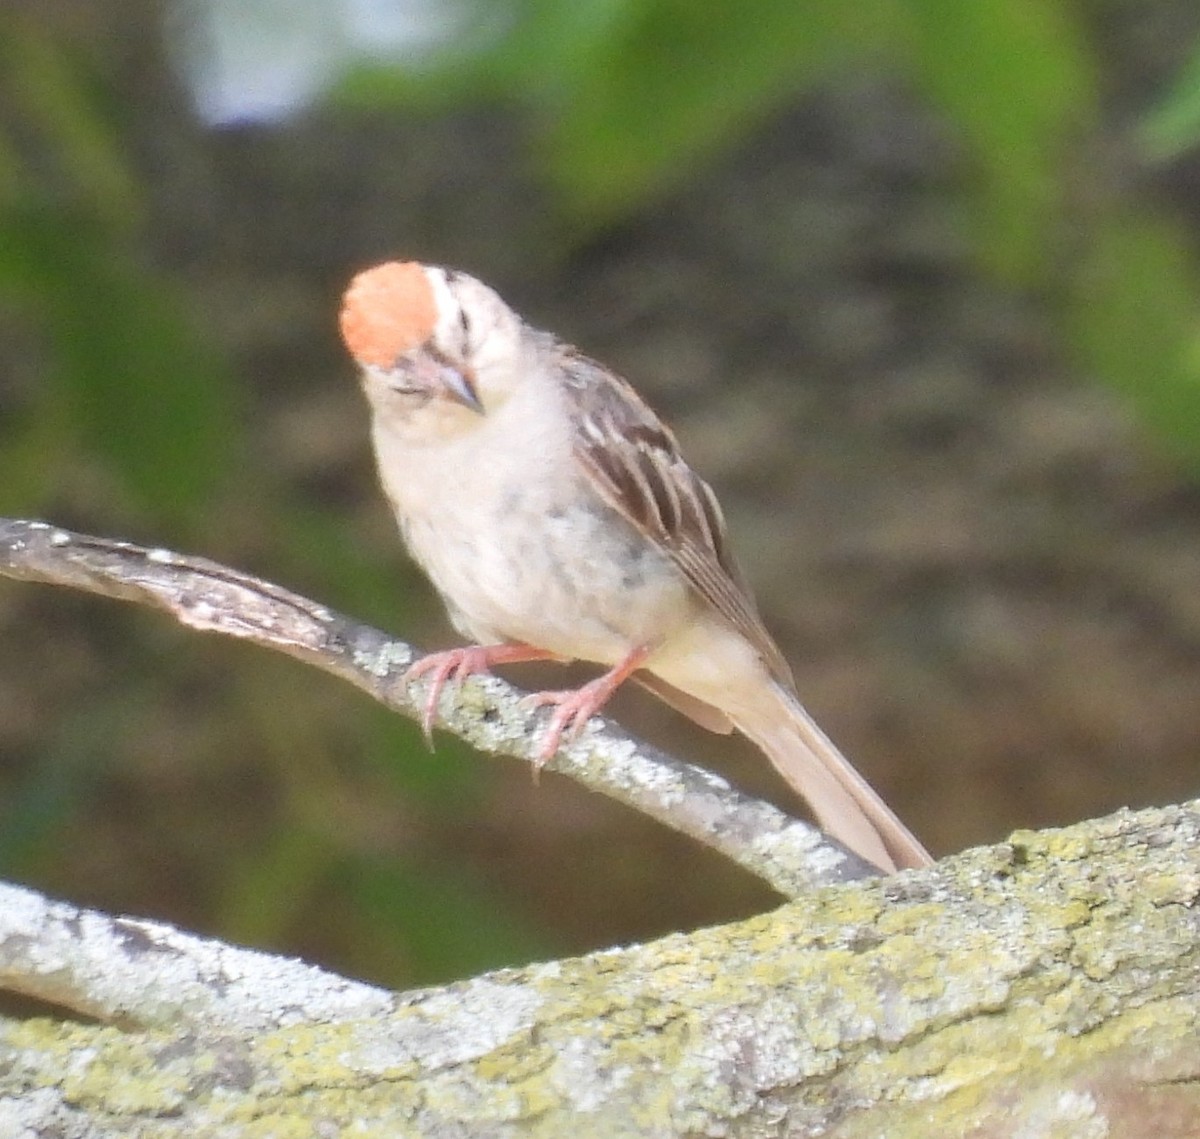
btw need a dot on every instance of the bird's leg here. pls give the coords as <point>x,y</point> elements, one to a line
<point>457,664</point>
<point>575,706</point>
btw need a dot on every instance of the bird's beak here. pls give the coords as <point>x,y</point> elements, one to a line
<point>444,379</point>
<point>431,375</point>
<point>457,387</point>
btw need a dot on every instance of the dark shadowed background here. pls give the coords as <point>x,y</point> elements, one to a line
<point>913,279</point>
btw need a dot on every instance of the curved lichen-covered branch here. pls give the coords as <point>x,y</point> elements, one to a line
<point>1043,987</point>
<point>790,855</point>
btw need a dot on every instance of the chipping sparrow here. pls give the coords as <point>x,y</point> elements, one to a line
<point>553,512</point>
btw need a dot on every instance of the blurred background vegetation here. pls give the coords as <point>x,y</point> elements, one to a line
<point>915,278</point>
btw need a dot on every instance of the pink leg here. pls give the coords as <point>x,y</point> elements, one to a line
<point>578,705</point>
<point>457,664</point>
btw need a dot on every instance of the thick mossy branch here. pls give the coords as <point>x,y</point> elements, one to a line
<point>1044,986</point>
<point>791,856</point>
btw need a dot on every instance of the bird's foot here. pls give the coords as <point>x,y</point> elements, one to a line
<point>455,665</point>
<point>575,706</point>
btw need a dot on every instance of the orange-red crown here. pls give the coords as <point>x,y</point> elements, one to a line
<point>386,311</point>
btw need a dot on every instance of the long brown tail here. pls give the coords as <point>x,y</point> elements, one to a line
<point>844,803</point>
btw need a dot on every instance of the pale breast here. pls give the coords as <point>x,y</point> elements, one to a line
<point>521,548</point>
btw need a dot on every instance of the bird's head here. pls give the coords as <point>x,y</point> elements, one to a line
<point>436,346</point>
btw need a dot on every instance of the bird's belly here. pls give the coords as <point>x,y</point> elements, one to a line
<point>565,574</point>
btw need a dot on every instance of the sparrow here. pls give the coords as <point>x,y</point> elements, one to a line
<point>554,513</point>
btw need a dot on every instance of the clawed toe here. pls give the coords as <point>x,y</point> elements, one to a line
<point>578,705</point>
<point>572,710</point>
<point>454,665</point>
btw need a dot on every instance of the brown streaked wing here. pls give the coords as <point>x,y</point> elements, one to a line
<point>634,462</point>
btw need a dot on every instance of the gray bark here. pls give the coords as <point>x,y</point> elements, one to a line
<point>1042,987</point>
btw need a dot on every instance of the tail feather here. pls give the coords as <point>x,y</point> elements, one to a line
<point>844,803</point>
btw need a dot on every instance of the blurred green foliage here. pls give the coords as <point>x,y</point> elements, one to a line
<point>629,96</point>
<point>1174,125</point>
<point>632,93</point>
<point>129,376</point>
<point>1015,79</point>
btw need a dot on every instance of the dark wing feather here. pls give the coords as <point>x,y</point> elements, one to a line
<point>634,462</point>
